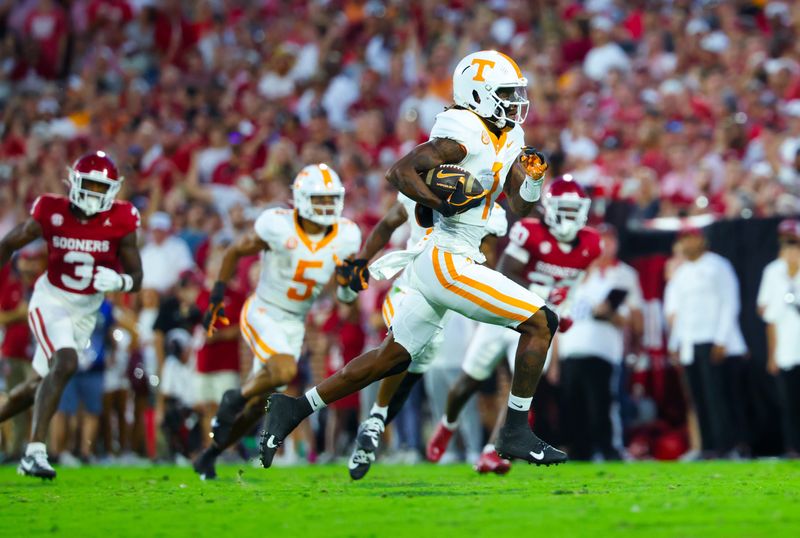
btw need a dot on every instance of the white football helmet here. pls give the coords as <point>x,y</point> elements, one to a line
<point>491,84</point>
<point>313,181</point>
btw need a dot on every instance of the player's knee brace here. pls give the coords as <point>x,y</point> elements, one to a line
<point>552,320</point>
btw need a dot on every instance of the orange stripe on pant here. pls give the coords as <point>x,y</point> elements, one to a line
<point>250,334</point>
<point>471,282</point>
<point>450,286</point>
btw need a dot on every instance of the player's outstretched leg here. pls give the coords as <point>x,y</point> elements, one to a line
<point>284,413</point>
<point>35,463</point>
<point>205,464</point>
<point>235,417</point>
<point>392,394</point>
<point>516,440</point>
<point>490,461</point>
<point>20,399</point>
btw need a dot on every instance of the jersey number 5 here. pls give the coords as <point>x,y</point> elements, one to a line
<point>300,278</point>
<point>83,269</point>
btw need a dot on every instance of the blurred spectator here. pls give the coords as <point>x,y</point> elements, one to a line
<point>607,305</point>
<point>16,353</point>
<point>346,342</point>
<point>779,305</point>
<point>702,306</point>
<point>217,355</point>
<point>178,315</point>
<point>443,373</point>
<point>164,256</point>
<point>81,405</point>
<point>115,425</point>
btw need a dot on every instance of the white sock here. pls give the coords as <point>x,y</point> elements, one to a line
<point>380,410</point>
<point>519,404</point>
<point>315,400</point>
<point>35,447</point>
<point>449,425</point>
<point>488,448</point>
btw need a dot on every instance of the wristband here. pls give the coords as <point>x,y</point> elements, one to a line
<point>531,189</point>
<point>127,282</point>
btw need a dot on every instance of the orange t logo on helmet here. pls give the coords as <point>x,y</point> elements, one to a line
<point>482,64</point>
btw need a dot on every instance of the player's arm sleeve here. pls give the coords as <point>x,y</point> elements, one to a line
<point>518,239</point>
<point>763,298</point>
<point>271,228</point>
<point>448,125</point>
<point>497,224</point>
<point>728,289</point>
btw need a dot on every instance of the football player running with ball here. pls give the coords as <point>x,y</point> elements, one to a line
<point>548,258</point>
<point>481,134</point>
<point>300,250</point>
<point>89,235</point>
<point>394,390</point>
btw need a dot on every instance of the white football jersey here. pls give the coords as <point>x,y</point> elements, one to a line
<point>297,266</point>
<point>497,224</point>
<point>489,159</point>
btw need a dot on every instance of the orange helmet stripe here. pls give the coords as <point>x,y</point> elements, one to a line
<point>326,174</point>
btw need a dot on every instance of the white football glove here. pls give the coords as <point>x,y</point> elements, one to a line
<point>106,279</point>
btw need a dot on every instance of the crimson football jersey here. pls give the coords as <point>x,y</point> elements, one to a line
<point>75,247</point>
<point>552,268</point>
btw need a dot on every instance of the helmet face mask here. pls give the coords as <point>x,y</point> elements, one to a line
<point>318,195</point>
<point>566,208</point>
<point>94,183</point>
<point>566,216</point>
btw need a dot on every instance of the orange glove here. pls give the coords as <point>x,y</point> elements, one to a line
<point>534,162</point>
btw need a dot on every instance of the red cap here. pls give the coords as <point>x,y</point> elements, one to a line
<point>789,227</point>
<point>690,231</point>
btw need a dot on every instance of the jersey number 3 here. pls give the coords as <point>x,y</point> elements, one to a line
<point>300,278</point>
<point>83,269</point>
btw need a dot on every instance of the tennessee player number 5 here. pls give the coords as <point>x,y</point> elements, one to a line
<point>300,278</point>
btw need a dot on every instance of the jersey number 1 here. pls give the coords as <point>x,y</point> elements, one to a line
<point>300,278</point>
<point>83,269</point>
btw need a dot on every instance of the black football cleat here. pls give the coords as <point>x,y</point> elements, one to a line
<point>230,406</point>
<point>283,416</point>
<point>521,443</point>
<point>359,463</point>
<point>204,465</point>
<point>36,465</point>
<point>367,443</point>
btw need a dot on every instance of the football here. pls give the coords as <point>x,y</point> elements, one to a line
<point>443,180</point>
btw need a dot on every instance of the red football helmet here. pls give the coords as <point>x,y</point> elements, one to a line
<point>96,168</point>
<point>566,208</point>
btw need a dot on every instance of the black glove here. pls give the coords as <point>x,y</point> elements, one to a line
<point>216,308</point>
<point>459,201</point>
<point>353,274</point>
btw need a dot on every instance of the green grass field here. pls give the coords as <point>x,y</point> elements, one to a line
<point>643,499</point>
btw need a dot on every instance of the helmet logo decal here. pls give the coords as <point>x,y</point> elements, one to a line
<point>482,64</point>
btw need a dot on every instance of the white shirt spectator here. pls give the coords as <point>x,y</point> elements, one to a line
<point>703,297</point>
<point>164,256</point>
<point>600,60</point>
<point>590,337</point>
<point>779,297</point>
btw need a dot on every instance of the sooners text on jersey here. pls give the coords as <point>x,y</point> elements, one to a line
<point>75,247</point>
<point>551,268</point>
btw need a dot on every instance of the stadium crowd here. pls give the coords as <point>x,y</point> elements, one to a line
<point>670,108</point>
